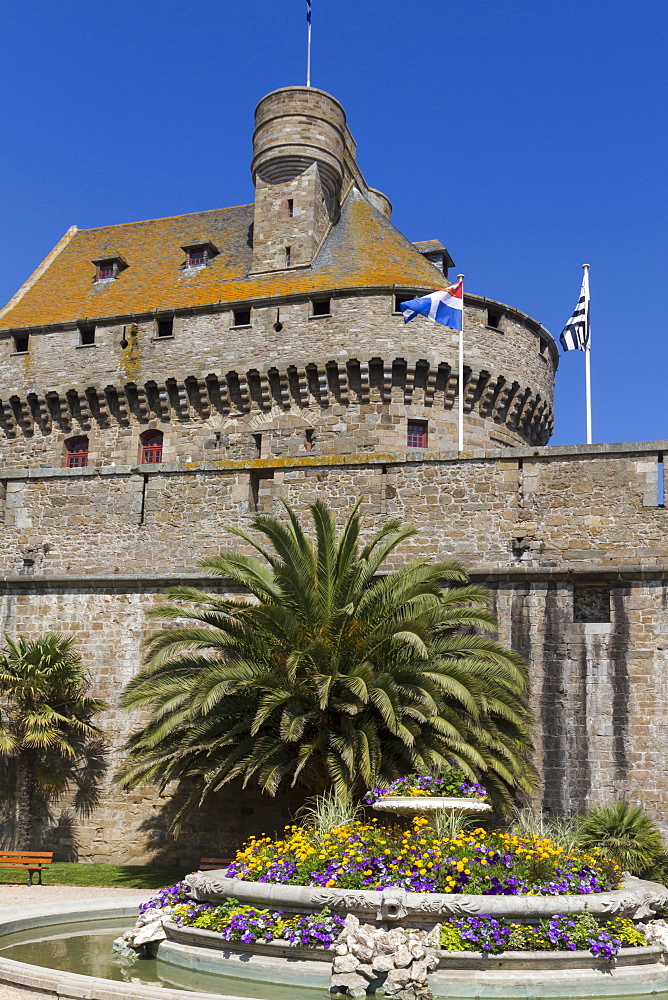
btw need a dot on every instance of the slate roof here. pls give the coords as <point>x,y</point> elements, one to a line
<point>427,246</point>
<point>362,249</point>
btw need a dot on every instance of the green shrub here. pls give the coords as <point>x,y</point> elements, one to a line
<point>451,939</point>
<point>625,833</point>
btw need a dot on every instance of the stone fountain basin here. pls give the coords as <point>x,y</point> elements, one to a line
<point>636,898</point>
<point>422,805</point>
<point>460,975</point>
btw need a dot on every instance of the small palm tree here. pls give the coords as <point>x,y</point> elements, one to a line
<point>626,834</point>
<point>332,675</point>
<point>45,721</point>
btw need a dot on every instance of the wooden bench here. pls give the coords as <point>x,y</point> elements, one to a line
<point>212,864</point>
<point>34,861</point>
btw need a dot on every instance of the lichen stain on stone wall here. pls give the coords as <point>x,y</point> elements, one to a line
<point>552,706</point>
<point>520,622</point>
<point>619,651</point>
<point>131,355</point>
<point>579,750</point>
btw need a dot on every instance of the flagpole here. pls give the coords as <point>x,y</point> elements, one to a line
<point>460,277</point>
<point>308,43</point>
<point>585,267</point>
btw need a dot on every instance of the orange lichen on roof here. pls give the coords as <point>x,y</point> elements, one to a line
<point>362,249</point>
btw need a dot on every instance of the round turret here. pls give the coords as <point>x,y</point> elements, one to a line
<point>294,128</point>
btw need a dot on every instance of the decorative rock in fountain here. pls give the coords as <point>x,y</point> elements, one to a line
<point>399,961</point>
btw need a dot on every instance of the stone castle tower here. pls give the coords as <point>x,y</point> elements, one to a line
<point>162,380</point>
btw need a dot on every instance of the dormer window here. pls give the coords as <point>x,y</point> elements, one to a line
<point>436,254</point>
<point>108,267</point>
<point>199,254</point>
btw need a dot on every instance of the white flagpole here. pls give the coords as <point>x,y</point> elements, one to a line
<point>308,43</point>
<point>587,353</point>
<point>460,277</point>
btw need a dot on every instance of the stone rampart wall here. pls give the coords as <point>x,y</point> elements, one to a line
<point>572,543</point>
<point>547,507</point>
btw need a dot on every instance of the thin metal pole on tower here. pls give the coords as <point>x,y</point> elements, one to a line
<point>460,277</point>
<point>308,43</point>
<point>587,353</point>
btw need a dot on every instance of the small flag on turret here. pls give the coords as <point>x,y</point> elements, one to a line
<point>445,307</point>
<point>575,335</point>
<point>308,11</point>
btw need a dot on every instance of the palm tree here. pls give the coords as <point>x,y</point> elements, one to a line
<point>336,673</point>
<point>45,722</point>
<point>627,835</point>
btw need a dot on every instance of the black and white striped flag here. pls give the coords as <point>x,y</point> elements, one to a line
<point>575,335</point>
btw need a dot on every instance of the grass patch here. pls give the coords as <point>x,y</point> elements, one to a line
<point>107,876</point>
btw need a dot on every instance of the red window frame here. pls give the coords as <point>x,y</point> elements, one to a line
<point>106,269</point>
<point>77,453</point>
<point>196,257</point>
<point>417,434</point>
<point>151,447</point>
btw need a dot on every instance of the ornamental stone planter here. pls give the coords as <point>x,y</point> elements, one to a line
<point>571,974</point>
<point>211,939</point>
<point>636,898</point>
<point>459,976</point>
<point>195,949</point>
<point>422,805</point>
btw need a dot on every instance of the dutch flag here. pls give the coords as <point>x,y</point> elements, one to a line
<point>445,307</point>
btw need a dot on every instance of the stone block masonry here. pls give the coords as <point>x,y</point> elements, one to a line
<point>88,551</point>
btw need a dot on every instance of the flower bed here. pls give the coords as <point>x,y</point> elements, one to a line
<point>450,783</point>
<point>603,938</point>
<point>248,924</point>
<point>483,933</point>
<point>376,856</point>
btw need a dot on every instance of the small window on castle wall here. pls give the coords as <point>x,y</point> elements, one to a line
<point>242,317</point>
<point>77,453</point>
<point>309,440</point>
<point>494,319</point>
<point>543,348</point>
<point>291,208</point>
<point>288,256</point>
<point>21,343</point>
<point>86,335</point>
<point>322,307</point>
<point>417,435</point>
<point>165,327</point>
<point>404,297</point>
<point>151,447</point>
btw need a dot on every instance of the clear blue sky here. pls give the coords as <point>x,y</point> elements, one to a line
<point>528,136</point>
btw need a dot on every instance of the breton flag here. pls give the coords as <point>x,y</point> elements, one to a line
<point>445,307</point>
<point>308,11</point>
<point>575,335</point>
